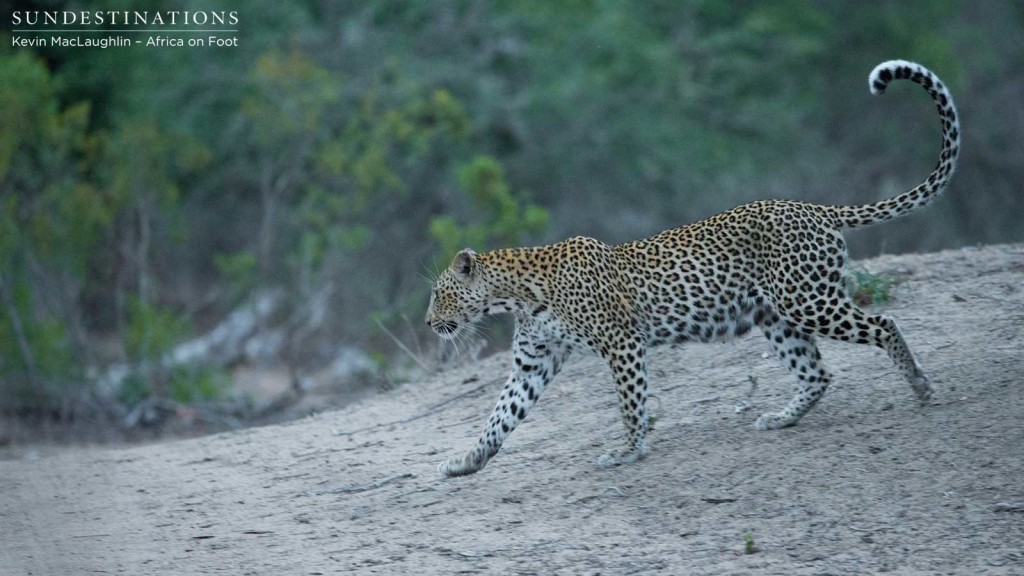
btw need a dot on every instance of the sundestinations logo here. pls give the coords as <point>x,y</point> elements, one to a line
<point>123,28</point>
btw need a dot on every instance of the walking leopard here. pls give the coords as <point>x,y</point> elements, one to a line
<point>775,265</point>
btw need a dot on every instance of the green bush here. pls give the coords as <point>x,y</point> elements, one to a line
<point>501,217</point>
<point>191,385</point>
<point>151,333</point>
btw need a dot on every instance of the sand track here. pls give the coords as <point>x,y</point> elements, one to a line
<point>868,482</point>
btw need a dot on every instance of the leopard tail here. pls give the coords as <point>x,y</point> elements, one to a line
<point>930,188</point>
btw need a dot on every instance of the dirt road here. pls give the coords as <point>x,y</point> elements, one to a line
<point>869,482</point>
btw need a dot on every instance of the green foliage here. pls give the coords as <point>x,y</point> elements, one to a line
<point>134,389</point>
<point>10,234</point>
<point>336,162</point>
<point>151,331</point>
<point>54,364</point>
<point>289,97</point>
<point>192,385</point>
<point>26,98</point>
<point>51,221</point>
<point>390,130</point>
<point>342,146</point>
<point>239,271</point>
<point>54,213</point>
<point>186,385</point>
<point>502,219</point>
<point>147,162</point>
<point>867,288</point>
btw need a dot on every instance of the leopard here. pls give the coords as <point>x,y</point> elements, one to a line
<point>778,266</point>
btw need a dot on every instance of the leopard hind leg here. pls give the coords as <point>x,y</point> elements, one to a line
<point>851,324</point>
<point>798,351</point>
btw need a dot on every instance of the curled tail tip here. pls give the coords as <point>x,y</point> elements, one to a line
<point>885,72</point>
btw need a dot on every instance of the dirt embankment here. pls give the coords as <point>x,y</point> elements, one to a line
<point>868,482</point>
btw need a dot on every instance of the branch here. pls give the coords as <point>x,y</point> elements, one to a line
<point>19,334</point>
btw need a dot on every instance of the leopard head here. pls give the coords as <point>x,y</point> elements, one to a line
<point>458,297</point>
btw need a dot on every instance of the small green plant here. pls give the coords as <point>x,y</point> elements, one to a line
<point>867,288</point>
<point>749,547</point>
<point>753,384</point>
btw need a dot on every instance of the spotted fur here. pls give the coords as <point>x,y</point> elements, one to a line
<point>775,265</point>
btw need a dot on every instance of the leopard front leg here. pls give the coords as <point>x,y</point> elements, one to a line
<point>535,366</point>
<point>629,368</point>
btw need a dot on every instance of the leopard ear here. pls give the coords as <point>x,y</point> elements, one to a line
<point>465,264</point>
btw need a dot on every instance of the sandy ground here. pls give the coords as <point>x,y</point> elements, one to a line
<point>869,482</point>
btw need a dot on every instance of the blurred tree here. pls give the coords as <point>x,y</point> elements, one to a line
<point>286,108</point>
<point>51,218</point>
<point>342,147</point>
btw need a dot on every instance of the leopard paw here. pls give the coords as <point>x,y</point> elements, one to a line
<point>922,389</point>
<point>617,458</point>
<point>774,421</point>
<point>460,466</point>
